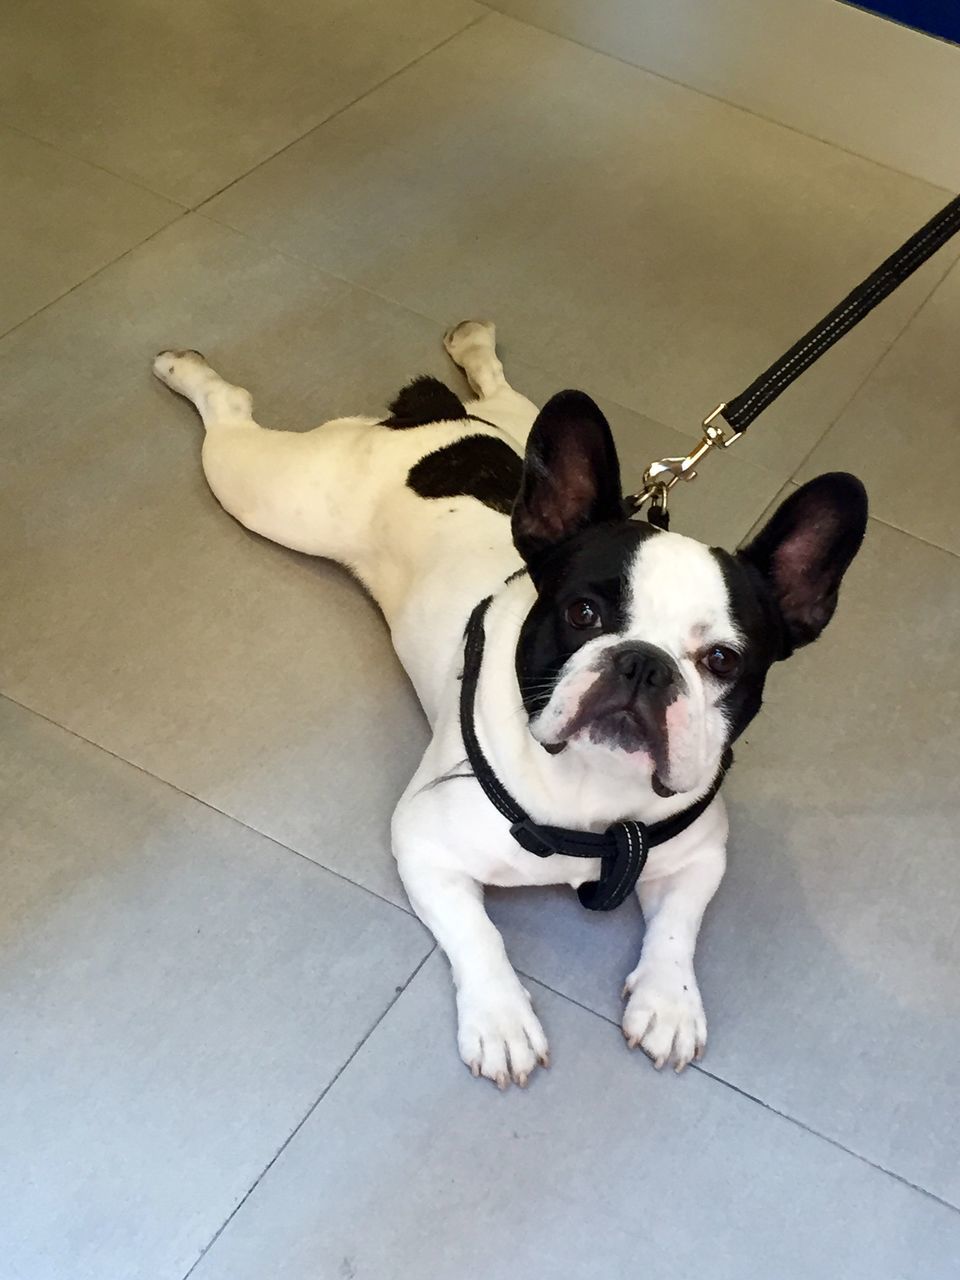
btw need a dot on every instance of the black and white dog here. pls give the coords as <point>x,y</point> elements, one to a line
<point>618,662</point>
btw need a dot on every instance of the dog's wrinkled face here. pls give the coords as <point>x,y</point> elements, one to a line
<point>648,650</point>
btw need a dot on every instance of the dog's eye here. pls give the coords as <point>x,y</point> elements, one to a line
<point>721,661</point>
<point>584,615</point>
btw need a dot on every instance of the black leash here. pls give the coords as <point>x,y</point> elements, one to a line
<point>742,410</point>
<point>622,848</point>
<point>730,420</point>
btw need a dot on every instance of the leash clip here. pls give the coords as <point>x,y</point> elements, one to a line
<point>660,476</point>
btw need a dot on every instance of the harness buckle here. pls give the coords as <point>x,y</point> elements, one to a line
<point>530,837</point>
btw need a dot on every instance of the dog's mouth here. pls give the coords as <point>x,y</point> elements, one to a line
<point>632,729</point>
<point>660,787</point>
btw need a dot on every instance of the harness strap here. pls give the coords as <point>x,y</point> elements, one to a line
<point>622,848</point>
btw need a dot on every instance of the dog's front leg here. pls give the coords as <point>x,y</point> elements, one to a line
<point>664,1014</point>
<point>499,1035</point>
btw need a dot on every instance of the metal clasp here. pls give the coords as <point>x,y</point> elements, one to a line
<point>660,476</point>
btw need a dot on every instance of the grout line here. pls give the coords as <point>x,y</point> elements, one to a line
<point>183,213</point>
<point>309,1112</point>
<point>824,1137</point>
<point>934,546</point>
<point>206,804</point>
<point>77,158</point>
<point>142,185</point>
<point>182,209</point>
<point>751,1097</point>
<point>481,17</point>
<point>727,102</point>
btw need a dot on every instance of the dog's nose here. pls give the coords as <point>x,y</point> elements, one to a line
<point>645,667</point>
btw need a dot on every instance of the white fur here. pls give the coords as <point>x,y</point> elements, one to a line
<point>339,491</point>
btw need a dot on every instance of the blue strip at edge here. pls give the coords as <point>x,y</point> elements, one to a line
<point>934,17</point>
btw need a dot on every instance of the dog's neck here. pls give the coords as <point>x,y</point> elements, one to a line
<point>568,789</point>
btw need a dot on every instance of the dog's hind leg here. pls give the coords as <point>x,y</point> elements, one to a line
<point>314,491</point>
<point>218,402</point>
<point>472,345</point>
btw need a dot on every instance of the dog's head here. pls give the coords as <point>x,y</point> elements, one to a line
<point>647,650</point>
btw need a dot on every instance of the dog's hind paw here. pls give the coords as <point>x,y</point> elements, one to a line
<point>470,336</point>
<point>178,369</point>
<point>499,1035</point>
<point>664,1017</point>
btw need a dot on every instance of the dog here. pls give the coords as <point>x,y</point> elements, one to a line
<point>612,665</point>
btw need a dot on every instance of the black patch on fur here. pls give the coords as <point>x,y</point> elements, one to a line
<point>478,467</point>
<point>592,565</point>
<point>757,618</point>
<point>805,549</point>
<point>571,477</point>
<point>423,401</point>
<point>783,586</point>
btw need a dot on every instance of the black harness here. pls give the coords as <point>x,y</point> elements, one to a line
<point>622,848</point>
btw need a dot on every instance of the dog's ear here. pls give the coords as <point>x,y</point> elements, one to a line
<point>571,475</point>
<point>806,548</point>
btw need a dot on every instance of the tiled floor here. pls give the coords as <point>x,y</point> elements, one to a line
<point>226,1046</point>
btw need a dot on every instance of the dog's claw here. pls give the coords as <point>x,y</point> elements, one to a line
<point>502,1081</point>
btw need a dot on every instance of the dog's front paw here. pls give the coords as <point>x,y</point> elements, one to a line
<point>499,1035</point>
<point>664,1016</point>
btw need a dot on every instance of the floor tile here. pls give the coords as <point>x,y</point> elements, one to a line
<point>63,220</point>
<point>827,69</point>
<point>188,95</point>
<point>828,961</point>
<point>257,679</point>
<point>409,1167</point>
<point>901,434</point>
<point>638,239</point>
<point>176,992</point>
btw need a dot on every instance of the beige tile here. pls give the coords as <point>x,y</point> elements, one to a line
<point>827,69</point>
<point>600,1169</point>
<point>176,993</point>
<point>632,237</point>
<point>901,433</point>
<point>62,220</point>
<point>187,95</point>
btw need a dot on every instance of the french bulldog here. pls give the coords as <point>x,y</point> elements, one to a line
<point>619,661</point>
